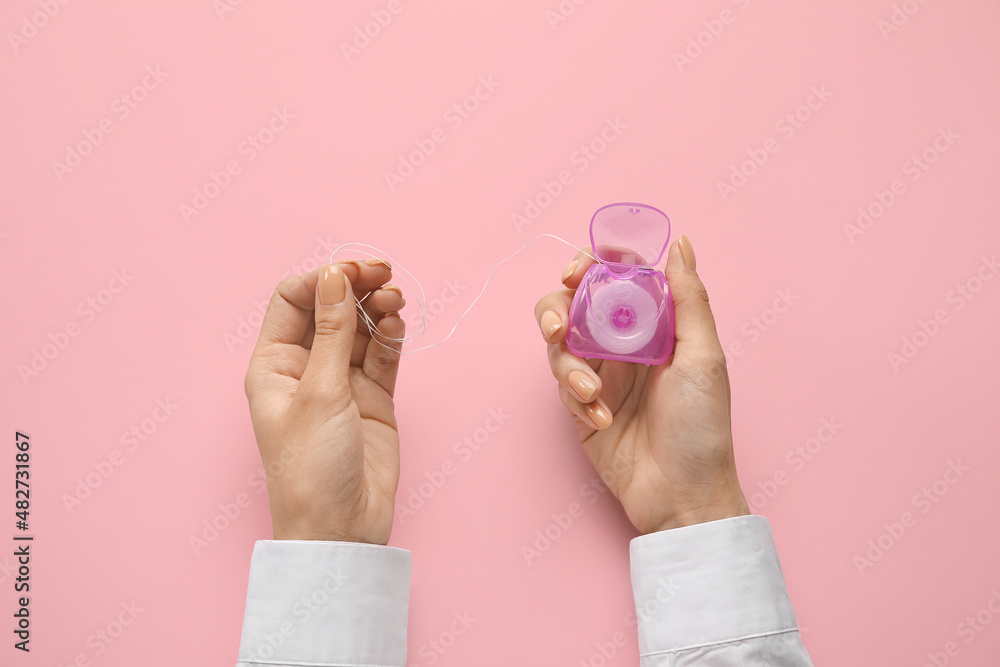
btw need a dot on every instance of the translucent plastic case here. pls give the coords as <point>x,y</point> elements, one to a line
<point>623,308</point>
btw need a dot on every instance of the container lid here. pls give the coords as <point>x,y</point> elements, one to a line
<point>629,234</point>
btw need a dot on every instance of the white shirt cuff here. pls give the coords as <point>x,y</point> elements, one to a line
<point>326,603</point>
<point>709,584</point>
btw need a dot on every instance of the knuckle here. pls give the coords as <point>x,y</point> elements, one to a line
<point>711,367</point>
<point>284,287</point>
<point>329,327</point>
<point>383,360</point>
<point>554,354</point>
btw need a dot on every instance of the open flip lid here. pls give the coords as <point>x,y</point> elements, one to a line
<point>629,234</point>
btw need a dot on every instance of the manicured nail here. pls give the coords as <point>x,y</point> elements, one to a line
<point>357,265</point>
<point>599,414</point>
<point>332,286</point>
<point>374,261</point>
<point>582,384</point>
<point>395,288</point>
<point>570,269</point>
<point>550,324</point>
<point>687,252</point>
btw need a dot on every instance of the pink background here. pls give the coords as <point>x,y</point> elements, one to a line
<point>184,325</point>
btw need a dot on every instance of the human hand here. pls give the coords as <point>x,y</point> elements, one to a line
<point>659,436</point>
<point>320,391</point>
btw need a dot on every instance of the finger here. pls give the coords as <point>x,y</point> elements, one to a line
<point>325,379</point>
<point>381,362</point>
<point>574,373</point>
<point>289,312</point>
<point>575,270</point>
<point>289,316</point>
<point>552,314</point>
<point>694,323</point>
<point>596,416</point>
<point>386,299</point>
<point>552,310</point>
<point>364,277</point>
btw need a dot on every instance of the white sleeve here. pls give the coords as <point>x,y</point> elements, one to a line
<point>325,603</point>
<point>713,594</point>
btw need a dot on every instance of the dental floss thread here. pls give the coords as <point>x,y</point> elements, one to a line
<point>393,265</point>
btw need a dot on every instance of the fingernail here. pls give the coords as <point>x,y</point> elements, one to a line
<point>599,414</point>
<point>550,323</point>
<point>687,252</point>
<point>395,288</point>
<point>582,384</point>
<point>332,286</point>
<point>374,261</point>
<point>570,269</point>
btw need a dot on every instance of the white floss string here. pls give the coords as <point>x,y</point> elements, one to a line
<point>393,266</point>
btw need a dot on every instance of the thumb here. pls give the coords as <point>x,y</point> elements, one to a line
<point>695,325</point>
<point>325,380</point>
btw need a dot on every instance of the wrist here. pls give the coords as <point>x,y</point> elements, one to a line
<point>330,528</point>
<point>726,506</point>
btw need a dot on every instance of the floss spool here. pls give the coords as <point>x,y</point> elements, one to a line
<point>622,317</point>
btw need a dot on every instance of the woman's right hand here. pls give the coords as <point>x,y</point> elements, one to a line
<point>659,436</point>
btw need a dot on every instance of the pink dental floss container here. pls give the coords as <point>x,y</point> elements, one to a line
<point>623,308</point>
